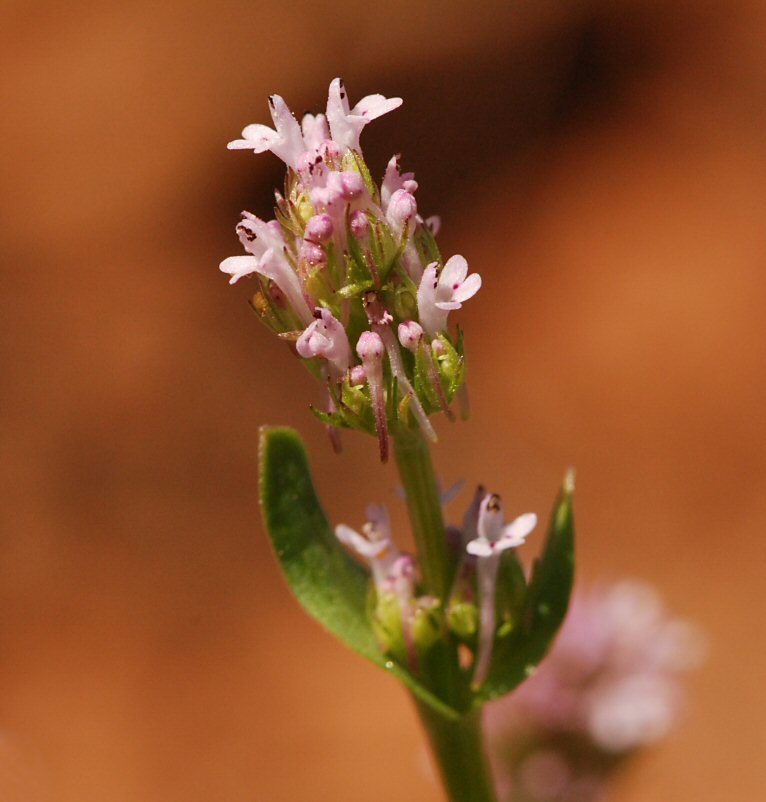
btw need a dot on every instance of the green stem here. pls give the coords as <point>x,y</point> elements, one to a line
<point>456,744</point>
<point>413,459</point>
<point>458,749</point>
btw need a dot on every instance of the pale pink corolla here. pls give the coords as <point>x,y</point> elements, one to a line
<point>285,140</point>
<point>442,291</point>
<point>346,124</point>
<point>325,337</point>
<point>266,255</point>
<point>315,131</point>
<point>374,544</point>
<point>494,537</point>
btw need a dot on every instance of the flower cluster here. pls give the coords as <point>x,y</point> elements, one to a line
<point>350,274</point>
<point>610,685</point>
<point>407,622</point>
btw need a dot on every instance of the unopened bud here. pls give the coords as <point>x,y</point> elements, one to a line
<point>360,226</point>
<point>351,185</point>
<point>426,623</point>
<point>356,376</point>
<point>437,347</point>
<point>463,618</point>
<point>319,228</point>
<point>370,347</point>
<point>401,211</point>
<point>312,253</point>
<point>410,334</point>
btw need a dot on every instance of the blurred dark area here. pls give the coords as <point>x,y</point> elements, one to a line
<point>601,164</point>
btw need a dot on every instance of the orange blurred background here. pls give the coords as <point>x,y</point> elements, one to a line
<point>602,164</point>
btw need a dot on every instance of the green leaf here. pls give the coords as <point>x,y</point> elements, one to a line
<point>328,583</point>
<point>543,608</point>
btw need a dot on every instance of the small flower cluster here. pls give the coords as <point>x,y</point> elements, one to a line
<point>408,623</point>
<point>610,686</point>
<point>350,274</point>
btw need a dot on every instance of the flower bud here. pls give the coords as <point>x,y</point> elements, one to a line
<point>463,618</point>
<point>360,226</point>
<point>426,623</point>
<point>438,348</point>
<point>312,253</point>
<point>370,347</point>
<point>410,334</point>
<point>401,212</point>
<point>319,228</point>
<point>357,376</point>
<point>351,185</point>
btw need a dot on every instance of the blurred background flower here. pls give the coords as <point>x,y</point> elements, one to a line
<point>612,684</point>
<point>601,164</point>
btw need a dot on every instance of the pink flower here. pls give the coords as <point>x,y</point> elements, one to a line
<point>374,544</point>
<point>266,255</point>
<point>346,125</point>
<point>286,141</point>
<point>290,141</point>
<point>325,337</point>
<point>440,292</point>
<point>494,537</point>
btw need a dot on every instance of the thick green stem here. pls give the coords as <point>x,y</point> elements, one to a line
<point>459,753</point>
<point>413,460</point>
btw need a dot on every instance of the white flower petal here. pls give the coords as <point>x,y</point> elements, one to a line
<point>454,271</point>
<point>468,288</point>
<point>521,527</point>
<point>238,266</point>
<point>260,137</point>
<point>374,106</point>
<point>431,318</point>
<point>288,129</point>
<point>315,130</point>
<point>480,547</point>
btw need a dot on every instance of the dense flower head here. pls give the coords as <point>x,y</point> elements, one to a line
<point>611,685</point>
<point>345,257</point>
